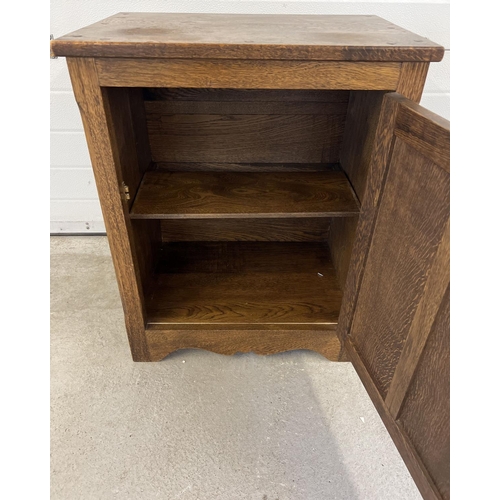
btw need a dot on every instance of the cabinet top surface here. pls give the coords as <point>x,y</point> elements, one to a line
<point>243,36</point>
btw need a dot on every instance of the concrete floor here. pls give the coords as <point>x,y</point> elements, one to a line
<point>199,425</point>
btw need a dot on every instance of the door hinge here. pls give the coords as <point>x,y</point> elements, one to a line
<point>126,191</point>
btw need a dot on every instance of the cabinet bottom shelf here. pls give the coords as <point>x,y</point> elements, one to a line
<point>239,285</point>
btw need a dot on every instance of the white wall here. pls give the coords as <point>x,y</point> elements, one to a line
<point>74,203</point>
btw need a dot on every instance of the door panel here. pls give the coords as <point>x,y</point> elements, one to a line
<point>413,211</point>
<point>427,403</point>
<point>394,322</point>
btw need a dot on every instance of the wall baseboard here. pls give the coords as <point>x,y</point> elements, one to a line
<point>77,227</point>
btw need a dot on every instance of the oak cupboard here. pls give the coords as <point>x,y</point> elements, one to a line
<point>270,183</point>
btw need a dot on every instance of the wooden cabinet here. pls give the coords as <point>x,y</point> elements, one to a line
<point>270,183</point>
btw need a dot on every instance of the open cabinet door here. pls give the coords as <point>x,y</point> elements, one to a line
<point>395,317</point>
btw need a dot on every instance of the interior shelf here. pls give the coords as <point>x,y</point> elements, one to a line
<point>172,195</point>
<point>244,283</point>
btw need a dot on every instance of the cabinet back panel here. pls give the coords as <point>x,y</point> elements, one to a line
<point>233,126</point>
<point>303,229</point>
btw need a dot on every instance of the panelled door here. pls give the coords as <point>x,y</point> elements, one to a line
<point>395,317</point>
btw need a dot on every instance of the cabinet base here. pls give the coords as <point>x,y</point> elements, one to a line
<point>163,342</point>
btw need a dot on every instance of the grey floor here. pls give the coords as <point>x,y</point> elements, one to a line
<point>199,425</point>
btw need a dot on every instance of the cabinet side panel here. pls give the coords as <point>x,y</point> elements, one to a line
<point>361,125</point>
<point>355,157</point>
<point>133,153</point>
<point>106,158</point>
<point>146,241</point>
<point>127,118</point>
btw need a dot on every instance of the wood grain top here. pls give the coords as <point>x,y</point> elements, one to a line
<point>243,36</point>
<point>174,195</point>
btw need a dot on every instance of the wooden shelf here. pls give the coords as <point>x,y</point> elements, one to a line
<point>233,284</point>
<point>173,195</point>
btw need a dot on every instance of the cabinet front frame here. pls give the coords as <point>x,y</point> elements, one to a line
<point>91,76</point>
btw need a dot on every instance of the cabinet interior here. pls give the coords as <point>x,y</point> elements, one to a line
<point>242,203</point>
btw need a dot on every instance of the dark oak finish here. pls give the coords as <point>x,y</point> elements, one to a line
<point>230,152</point>
<point>159,109</point>
<point>424,133</point>
<point>394,320</point>
<point>202,166</point>
<point>281,97</point>
<point>298,229</point>
<point>224,126</point>
<point>405,447</point>
<point>127,121</point>
<point>162,342</point>
<point>420,188</point>
<point>165,195</point>
<point>357,147</point>
<point>247,138</point>
<point>360,245</point>
<point>421,326</point>
<point>239,284</point>
<point>248,74</point>
<point>104,148</point>
<point>125,111</point>
<point>340,240</point>
<point>412,79</point>
<point>146,243</point>
<point>357,150</point>
<point>243,36</point>
<point>425,414</point>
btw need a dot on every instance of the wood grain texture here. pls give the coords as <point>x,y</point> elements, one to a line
<point>104,146</point>
<point>157,109</point>
<point>398,275</point>
<point>303,229</point>
<point>411,218</point>
<point>428,134</point>
<point>203,166</point>
<point>412,80</point>
<point>356,155</point>
<point>248,74</point>
<point>376,175</point>
<point>435,288</point>
<point>245,95</point>
<point>425,415</point>
<point>146,244</point>
<point>226,128</point>
<point>244,36</point>
<point>245,138</point>
<point>360,127</point>
<point>163,342</point>
<point>341,235</point>
<point>166,195</point>
<point>124,108</point>
<point>127,124</point>
<point>415,465</point>
<point>243,283</point>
